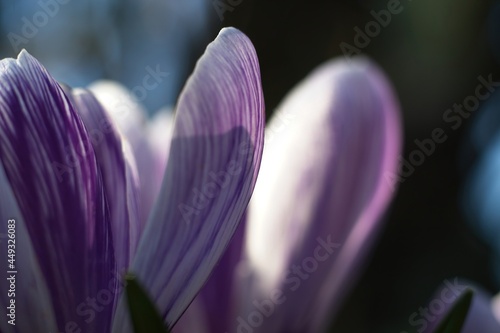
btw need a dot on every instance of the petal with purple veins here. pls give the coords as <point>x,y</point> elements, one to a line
<point>51,167</point>
<point>31,294</point>
<point>117,165</point>
<point>215,304</point>
<point>212,168</point>
<point>131,121</point>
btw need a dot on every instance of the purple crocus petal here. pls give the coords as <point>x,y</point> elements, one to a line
<point>194,320</point>
<point>480,318</point>
<point>116,164</point>
<point>51,167</point>
<point>219,292</point>
<point>321,192</point>
<point>212,168</point>
<point>131,121</point>
<point>31,295</point>
<point>215,302</point>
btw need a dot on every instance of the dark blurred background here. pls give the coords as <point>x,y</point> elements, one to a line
<point>433,51</point>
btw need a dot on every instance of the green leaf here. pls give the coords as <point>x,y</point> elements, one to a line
<point>145,317</point>
<point>455,318</point>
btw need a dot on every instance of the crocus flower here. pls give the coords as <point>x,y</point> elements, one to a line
<point>327,177</point>
<point>69,181</point>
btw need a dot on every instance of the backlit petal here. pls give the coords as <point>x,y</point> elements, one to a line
<point>30,293</point>
<point>130,119</point>
<point>117,165</point>
<point>330,152</point>
<point>51,167</point>
<point>212,168</point>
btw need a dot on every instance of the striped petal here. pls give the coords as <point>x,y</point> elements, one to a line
<point>215,304</point>
<point>30,294</point>
<point>212,168</point>
<point>321,193</point>
<point>51,167</point>
<point>117,165</point>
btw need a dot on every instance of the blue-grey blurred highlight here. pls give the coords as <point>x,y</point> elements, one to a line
<point>481,155</point>
<point>82,41</point>
<point>482,188</point>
